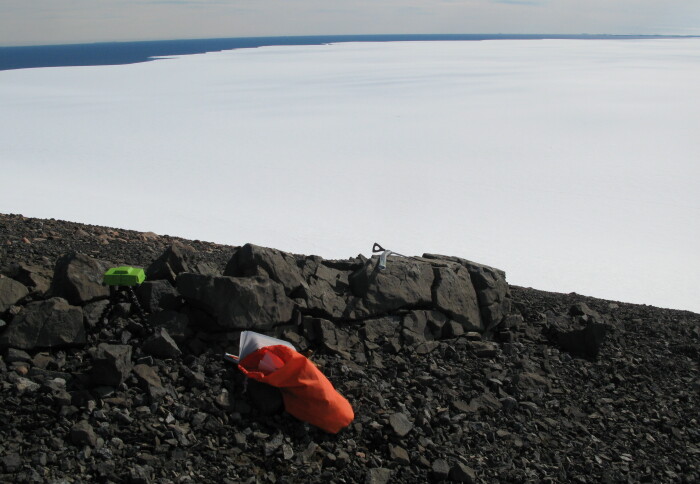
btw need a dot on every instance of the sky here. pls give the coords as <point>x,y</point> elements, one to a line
<point>36,22</point>
<point>570,164</point>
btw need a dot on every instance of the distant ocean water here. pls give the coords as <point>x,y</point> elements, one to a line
<point>115,53</point>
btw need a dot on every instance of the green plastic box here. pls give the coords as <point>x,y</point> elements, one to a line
<point>124,276</point>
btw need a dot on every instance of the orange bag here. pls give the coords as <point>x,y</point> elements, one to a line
<point>307,393</point>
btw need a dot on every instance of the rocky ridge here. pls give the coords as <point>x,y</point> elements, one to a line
<point>453,374</point>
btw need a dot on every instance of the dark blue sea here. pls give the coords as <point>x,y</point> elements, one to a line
<point>114,53</point>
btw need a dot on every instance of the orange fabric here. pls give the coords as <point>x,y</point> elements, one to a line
<point>307,393</point>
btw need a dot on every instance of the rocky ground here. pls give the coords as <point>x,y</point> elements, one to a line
<point>492,383</point>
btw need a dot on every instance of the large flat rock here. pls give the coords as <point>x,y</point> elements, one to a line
<point>257,303</point>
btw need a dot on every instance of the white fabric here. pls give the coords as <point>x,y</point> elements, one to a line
<point>251,341</point>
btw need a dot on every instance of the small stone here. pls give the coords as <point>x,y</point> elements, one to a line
<point>198,419</point>
<point>509,403</point>
<point>40,458</point>
<point>452,329</point>
<point>20,367</point>
<point>330,460</point>
<point>17,355</point>
<point>343,458</point>
<point>399,455</point>
<point>400,423</point>
<point>111,364</point>
<point>42,360</point>
<point>83,434</point>
<point>62,398</point>
<point>379,475</point>
<point>139,475</point>
<point>147,376</point>
<point>462,473</point>
<point>461,406</point>
<point>426,347</point>
<point>12,462</point>
<point>441,469</point>
<point>239,438</point>
<point>150,382</point>
<point>309,452</point>
<point>582,309</point>
<point>223,399</point>
<point>161,345</point>
<point>483,349</point>
<point>273,444</point>
<point>26,385</point>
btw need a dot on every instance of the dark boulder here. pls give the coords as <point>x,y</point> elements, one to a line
<point>45,324</point>
<point>94,311</point>
<point>252,260</point>
<point>415,329</point>
<point>381,330</point>
<point>158,295</point>
<point>585,313</point>
<point>404,283</point>
<point>583,341</point>
<point>529,383</point>
<point>454,295</point>
<point>335,338</point>
<point>111,364</point>
<point>580,332</point>
<point>256,303</point>
<point>492,290</point>
<point>326,290</point>
<point>176,324</point>
<point>150,382</point>
<point>82,434</point>
<point>78,279</point>
<point>453,329</point>
<point>161,345</point>
<point>36,278</point>
<point>320,286</point>
<point>11,292</point>
<point>174,260</point>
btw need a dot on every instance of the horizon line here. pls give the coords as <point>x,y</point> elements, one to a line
<point>319,36</point>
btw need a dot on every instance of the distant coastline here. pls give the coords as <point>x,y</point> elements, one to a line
<point>119,53</point>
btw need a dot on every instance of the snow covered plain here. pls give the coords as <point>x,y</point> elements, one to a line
<point>574,165</point>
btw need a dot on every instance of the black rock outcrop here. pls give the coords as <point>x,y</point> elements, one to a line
<point>78,279</point>
<point>236,302</point>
